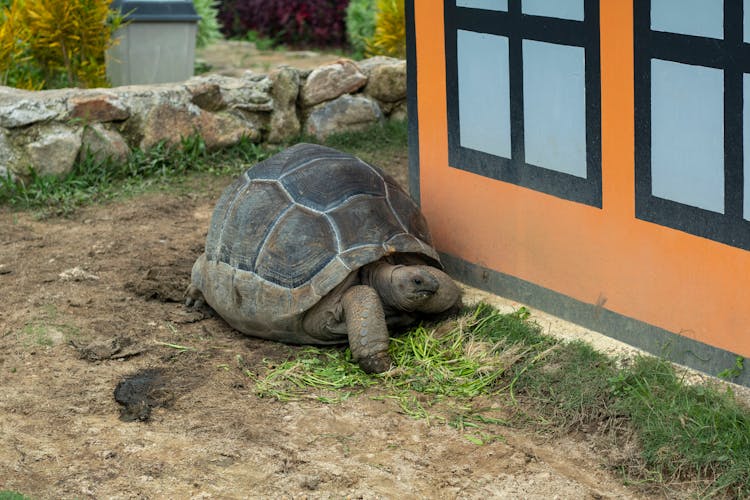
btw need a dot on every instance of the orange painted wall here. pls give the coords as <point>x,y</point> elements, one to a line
<point>673,280</point>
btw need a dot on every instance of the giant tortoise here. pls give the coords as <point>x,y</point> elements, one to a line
<point>315,246</point>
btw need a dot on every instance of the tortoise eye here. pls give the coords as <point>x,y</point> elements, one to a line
<point>417,281</point>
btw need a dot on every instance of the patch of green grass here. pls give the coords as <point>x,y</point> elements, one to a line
<point>466,373</point>
<point>571,389</point>
<point>93,181</point>
<point>687,431</point>
<point>46,330</point>
<point>12,495</point>
<point>390,135</point>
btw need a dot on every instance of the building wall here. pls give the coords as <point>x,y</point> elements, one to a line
<point>586,157</point>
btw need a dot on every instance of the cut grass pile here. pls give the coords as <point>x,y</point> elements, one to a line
<point>486,368</point>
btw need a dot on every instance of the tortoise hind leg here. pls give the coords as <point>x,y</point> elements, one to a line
<point>194,297</point>
<point>367,329</point>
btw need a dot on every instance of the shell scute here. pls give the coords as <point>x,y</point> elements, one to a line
<point>365,220</point>
<point>243,229</point>
<point>326,183</point>
<point>407,212</point>
<point>299,245</point>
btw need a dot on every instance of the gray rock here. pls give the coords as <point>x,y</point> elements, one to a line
<point>11,156</point>
<point>171,124</point>
<point>387,81</point>
<point>284,123</point>
<point>331,81</point>
<point>168,123</point>
<point>19,108</point>
<point>251,92</point>
<point>43,129</point>
<point>206,95</point>
<point>55,149</point>
<point>142,99</point>
<point>367,65</point>
<point>223,129</point>
<point>398,112</point>
<point>347,113</point>
<point>104,143</point>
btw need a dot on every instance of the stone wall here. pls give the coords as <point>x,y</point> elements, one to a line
<point>48,130</point>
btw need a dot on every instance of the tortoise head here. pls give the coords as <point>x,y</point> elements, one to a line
<point>423,289</point>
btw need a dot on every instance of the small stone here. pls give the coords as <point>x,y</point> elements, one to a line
<point>77,274</point>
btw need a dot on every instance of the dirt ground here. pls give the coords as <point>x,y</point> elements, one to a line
<point>89,300</point>
<point>94,298</point>
<point>234,57</point>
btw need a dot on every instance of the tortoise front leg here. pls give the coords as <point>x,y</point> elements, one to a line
<point>367,329</point>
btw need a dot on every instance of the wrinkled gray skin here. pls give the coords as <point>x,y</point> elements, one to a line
<point>364,306</point>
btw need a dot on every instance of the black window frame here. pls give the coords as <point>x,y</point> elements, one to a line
<point>518,27</point>
<point>731,55</point>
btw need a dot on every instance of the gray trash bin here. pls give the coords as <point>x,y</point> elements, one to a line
<point>157,45</point>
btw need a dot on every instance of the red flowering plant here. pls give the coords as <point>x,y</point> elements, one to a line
<point>293,22</point>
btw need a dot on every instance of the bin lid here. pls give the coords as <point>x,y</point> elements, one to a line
<point>157,10</point>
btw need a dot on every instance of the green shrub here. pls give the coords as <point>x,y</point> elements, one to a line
<point>360,25</point>
<point>208,26</point>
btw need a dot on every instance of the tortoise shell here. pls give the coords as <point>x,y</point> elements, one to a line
<point>295,226</point>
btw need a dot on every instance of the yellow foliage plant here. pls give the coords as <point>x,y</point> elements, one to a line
<point>13,57</point>
<point>64,41</point>
<point>390,30</point>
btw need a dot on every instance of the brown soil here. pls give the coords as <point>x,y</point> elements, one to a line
<point>234,57</point>
<point>90,300</point>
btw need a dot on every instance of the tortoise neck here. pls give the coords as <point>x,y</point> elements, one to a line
<point>378,275</point>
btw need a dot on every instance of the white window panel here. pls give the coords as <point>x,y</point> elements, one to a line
<point>484,4</point>
<point>687,134</point>
<point>689,17</point>
<point>563,9</point>
<point>554,104</point>
<point>484,92</point>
